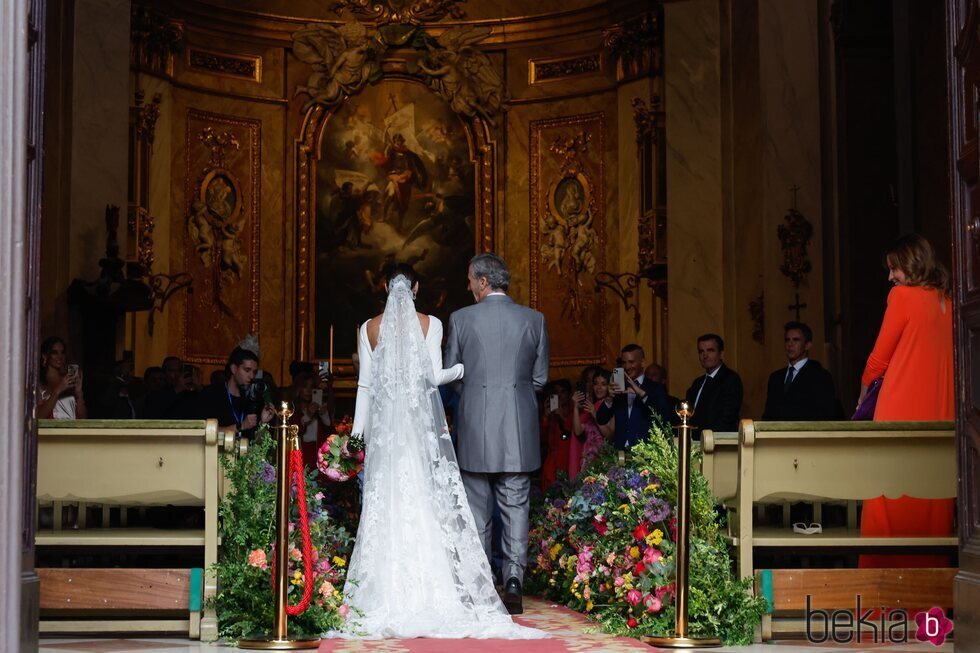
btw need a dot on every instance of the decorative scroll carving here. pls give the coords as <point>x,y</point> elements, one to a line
<point>794,238</point>
<point>148,115</point>
<point>220,244</point>
<point>645,119</point>
<point>568,232</point>
<point>401,11</point>
<point>344,59</point>
<point>636,46</point>
<point>461,73</point>
<point>549,70</point>
<point>154,40</point>
<point>240,66</point>
<point>624,286</point>
<point>652,229</point>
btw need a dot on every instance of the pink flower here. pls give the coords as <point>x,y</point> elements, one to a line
<point>318,496</point>
<point>326,589</point>
<point>359,456</point>
<point>334,474</point>
<point>633,597</point>
<point>651,555</point>
<point>296,554</point>
<point>619,582</point>
<point>587,593</point>
<point>653,603</point>
<point>257,559</point>
<point>343,611</point>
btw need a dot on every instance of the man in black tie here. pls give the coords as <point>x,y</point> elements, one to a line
<point>803,390</point>
<point>629,407</point>
<point>716,395</point>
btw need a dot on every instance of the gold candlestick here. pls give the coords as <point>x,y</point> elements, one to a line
<point>683,545</point>
<point>288,440</point>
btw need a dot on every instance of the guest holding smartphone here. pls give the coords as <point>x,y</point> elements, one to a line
<point>633,401</point>
<point>556,431</point>
<point>589,437</point>
<point>310,415</point>
<point>62,396</point>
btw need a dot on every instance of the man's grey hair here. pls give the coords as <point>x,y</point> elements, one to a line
<point>493,269</point>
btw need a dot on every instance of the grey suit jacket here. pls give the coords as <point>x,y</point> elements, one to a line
<point>504,347</point>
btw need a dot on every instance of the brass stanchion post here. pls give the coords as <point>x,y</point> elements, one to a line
<point>279,640</point>
<point>683,543</point>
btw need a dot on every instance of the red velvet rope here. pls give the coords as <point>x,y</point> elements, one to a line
<point>296,475</point>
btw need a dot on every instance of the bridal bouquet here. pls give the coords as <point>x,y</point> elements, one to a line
<point>604,544</point>
<point>341,457</point>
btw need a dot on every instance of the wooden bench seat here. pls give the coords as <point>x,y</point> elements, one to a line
<point>848,461</point>
<point>129,463</point>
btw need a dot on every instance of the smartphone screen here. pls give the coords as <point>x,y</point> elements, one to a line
<point>324,368</point>
<point>553,403</point>
<point>318,397</point>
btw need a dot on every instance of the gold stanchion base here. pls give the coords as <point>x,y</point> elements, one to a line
<point>273,644</point>
<point>682,642</point>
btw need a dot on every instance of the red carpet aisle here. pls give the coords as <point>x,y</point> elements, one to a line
<point>568,629</point>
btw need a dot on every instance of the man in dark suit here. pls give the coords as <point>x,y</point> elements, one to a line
<point>716,395</point>
<point>803,390</point>
<point>630,407</point>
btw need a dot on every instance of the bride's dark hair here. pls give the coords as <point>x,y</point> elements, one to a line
<point>401,269</point>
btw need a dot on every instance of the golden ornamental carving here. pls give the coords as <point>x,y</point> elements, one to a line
<point>461,73</point>
<point>401,11</point>
<point>636,46</point>
<point>561,68</point>
<point>646,118</point>
<point>148,114</point>
<point>154,40</point>
<point>217,143</point>
<point>343,60</point>
<point>228,65</point>
<point>141,226</point>
<point>794,239</point>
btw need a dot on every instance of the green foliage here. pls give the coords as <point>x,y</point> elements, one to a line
<point>586,534</point>
<point>244,602</point>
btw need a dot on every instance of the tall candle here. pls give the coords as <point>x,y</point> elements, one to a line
<point>331,349</point>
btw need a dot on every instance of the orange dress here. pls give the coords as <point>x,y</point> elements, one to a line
<point>914,352</point>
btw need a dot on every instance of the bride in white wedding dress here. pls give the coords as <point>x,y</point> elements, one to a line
<point>418,568</point>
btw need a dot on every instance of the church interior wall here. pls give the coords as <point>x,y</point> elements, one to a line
<point>742,94</point>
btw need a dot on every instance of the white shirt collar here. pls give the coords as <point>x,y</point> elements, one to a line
<point>713,372</point>
<point>497,292</point>
<point>798,365</point>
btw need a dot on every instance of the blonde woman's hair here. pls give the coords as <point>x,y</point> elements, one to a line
<point>913,255</point>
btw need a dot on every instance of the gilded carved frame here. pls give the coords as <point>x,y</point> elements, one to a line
<point>483,151</point>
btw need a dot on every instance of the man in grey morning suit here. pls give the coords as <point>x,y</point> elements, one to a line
<point>504,348</point>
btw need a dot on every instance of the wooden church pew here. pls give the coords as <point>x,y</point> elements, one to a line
<point>849,461</point>
<point>129,463</point>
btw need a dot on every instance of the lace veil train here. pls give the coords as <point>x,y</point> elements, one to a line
<point>418,568</point>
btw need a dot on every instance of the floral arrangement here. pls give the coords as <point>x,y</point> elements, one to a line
<point>341,457</point>
<point>604,544</point>
<point>244,602</point>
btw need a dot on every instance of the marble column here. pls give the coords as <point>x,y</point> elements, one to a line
<point>696,244</point>
<point>13,292</point>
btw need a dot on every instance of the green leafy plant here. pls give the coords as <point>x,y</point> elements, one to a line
<point>589,537</point>
<point>244,601</point>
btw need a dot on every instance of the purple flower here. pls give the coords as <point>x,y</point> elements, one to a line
<point>594,494</point>
<point>616,475</point>
<point>636,482</point>
<point>656,509</point>
<point>267,474</point>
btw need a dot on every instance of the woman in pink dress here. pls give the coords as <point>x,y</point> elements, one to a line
<point>589,436</point>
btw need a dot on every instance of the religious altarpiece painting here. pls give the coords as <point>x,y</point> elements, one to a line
<point>568,234</point>
<point>392,174</point>
<point>221,235</point>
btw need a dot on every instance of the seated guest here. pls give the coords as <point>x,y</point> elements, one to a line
<point>114,401</point>
<point>61,385</point>
<point>717,395</point>
<point>154,382</point>
<point>188,392</point>
<point>556,430</point>
<point>237,406</point>
<point>173,367</point>
<point>630,406</point>
<point>803,390</point>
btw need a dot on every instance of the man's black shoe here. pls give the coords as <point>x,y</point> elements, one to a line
<point>512,597</point>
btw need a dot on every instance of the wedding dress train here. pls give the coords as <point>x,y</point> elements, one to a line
<point>418,568</point>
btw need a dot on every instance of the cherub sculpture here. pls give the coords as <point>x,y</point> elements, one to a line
<point>462,74</point>
<point>343,59</point>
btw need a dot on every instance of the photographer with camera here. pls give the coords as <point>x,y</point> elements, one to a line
<point>239,405</point>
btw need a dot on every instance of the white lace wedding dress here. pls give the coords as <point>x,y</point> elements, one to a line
<point>418,568</point>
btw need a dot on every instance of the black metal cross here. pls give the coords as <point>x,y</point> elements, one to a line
<point>796,307</point>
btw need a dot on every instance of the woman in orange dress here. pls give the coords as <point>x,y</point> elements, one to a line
<point>914,353</point>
